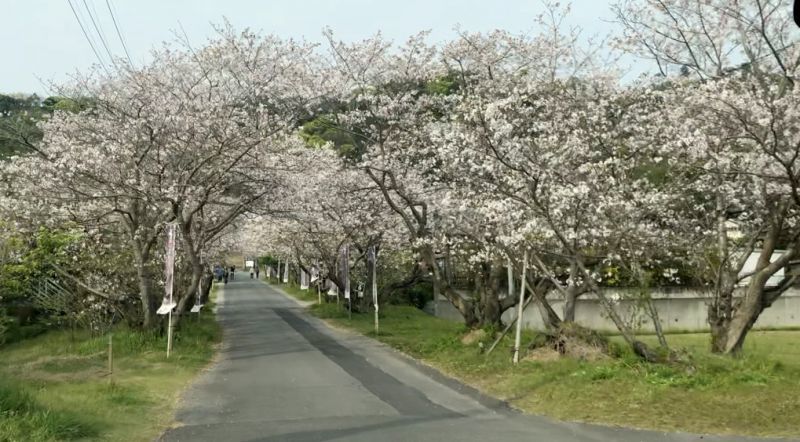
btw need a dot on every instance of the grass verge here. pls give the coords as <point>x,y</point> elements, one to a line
<point>293,290</point>
<point>57,387</point>
<point>757,394</point>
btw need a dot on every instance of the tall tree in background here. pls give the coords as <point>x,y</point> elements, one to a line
<point>734,112</point>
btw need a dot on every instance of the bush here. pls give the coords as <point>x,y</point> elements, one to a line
<point>417,295</point>
<point>5,322</point>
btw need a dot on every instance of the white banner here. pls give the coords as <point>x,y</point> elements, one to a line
<point>314,273</point>
<point>167,304</point>
<point>286,272</point>
<point>303,280</point>
<point>372,263</point>
<point>344,269</point>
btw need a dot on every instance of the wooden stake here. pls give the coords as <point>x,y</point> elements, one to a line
<point>110,354</point>
<point>169,334</point>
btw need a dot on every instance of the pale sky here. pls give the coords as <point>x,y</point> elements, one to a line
<point>41,39</point>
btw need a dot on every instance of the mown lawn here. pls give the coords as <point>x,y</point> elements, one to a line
<point>757,394</point>
<point>57,386</point>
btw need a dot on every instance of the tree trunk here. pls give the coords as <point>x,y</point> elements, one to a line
<point>465,307</point>
<point>187,301</point>
<point>146,296</point>
<point>571,295</point>
<point>730,331</point>
<point>720,311</point>
<point>207,282</point>
<point>490,310</point>
<point>538,290</point>
<point>747,311</point>
<point>570,301</point>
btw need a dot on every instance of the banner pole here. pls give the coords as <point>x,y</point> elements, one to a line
<point>169,334</point>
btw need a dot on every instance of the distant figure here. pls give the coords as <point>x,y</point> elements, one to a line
<point>233,273</point>
<point>252,272</point>
<point>225,275</point>
<point>257,269</point>
<point>218,272</point>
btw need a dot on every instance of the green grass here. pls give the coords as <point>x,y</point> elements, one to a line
<point>757,394</point>
<point>293,290</point>
<point>56,386</point>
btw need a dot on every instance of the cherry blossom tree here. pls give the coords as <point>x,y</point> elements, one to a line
<point>190,138</point>
<point>734,147</point>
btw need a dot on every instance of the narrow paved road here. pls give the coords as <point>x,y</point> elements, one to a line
<point>285,376</point>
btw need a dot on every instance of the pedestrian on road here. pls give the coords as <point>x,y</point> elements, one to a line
<point>233,273</point>
<point>225,276</point>
<point>257,269</point>
<point>252,272</point>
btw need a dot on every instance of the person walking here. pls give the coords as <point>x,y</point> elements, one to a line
<point>252,272</point>
<point>257,269</point>
<point>225,276</point>
<point>233,273</point>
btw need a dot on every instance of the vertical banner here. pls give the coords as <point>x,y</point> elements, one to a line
<point>286,272</point>
<point>372,263</point>
<point>303,280</point>
<point>167,304</point>
<point>344,264</point>
<point>314,277</point>
<point>333,290</point>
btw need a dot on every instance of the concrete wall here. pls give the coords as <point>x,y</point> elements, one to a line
<point>678,310</point>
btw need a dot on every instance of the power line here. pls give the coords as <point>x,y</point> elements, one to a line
<point>102,31</point>
<point>119,34</point>
<point>99,31</point>
<point>85,34</point>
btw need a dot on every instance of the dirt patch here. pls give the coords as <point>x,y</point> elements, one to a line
<point>542,354</point>
<point>474,337</point>
<point>585,351</point>
<point>572,341</point>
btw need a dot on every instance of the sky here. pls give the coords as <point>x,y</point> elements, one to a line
<point>42,41</point>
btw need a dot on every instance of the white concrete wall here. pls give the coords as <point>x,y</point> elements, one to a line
<point>678,310</point>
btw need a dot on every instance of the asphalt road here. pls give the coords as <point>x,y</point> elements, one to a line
<point>285,376</point>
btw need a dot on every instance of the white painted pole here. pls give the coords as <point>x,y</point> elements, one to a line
<point>375,287</point>
<point>110,354</point>
<point>169,334</point>
<point>518,336</point>
<point>171,252</point>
